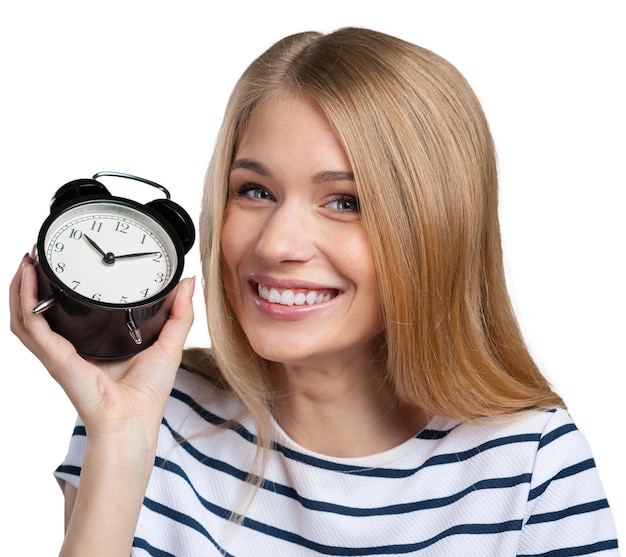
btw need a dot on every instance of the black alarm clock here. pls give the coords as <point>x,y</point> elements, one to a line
<point>107,266</point>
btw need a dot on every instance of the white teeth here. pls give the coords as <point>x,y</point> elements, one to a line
<point>274,296</point>
<point>288,298</point>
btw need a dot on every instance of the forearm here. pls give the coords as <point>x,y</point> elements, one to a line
<point>114,477</point>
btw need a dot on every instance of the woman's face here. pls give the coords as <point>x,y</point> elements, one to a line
<point>297,261</point>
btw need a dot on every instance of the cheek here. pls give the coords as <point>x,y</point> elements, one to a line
<point>358,264</point>
<point>354,254</point>
<point>237,248</point>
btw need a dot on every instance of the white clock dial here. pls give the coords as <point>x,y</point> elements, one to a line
<point>110,252</point>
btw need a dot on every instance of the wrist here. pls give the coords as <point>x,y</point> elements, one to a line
<point>115,473</point>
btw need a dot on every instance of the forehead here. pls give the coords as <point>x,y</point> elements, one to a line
<point>287,125</point>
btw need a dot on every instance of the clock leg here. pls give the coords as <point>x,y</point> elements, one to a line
<point>133,330</point>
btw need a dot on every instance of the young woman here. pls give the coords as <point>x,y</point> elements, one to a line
<point>367,391</point>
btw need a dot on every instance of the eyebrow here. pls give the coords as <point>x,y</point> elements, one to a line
<point>319,178</point>
<point>250,164</point>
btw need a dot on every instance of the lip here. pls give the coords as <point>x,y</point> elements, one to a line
<point>290,283</point>
<point>294,311</point>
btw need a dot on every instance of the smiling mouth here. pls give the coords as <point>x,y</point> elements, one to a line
<point>297,297</point>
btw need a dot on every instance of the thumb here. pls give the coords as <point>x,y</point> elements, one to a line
<point>174,333</point>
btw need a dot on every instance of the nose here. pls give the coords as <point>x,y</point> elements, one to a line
<point>288,235</point>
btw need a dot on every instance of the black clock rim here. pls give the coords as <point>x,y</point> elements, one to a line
<point>61,287</point>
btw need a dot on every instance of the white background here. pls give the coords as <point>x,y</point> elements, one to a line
<point>140,86</point>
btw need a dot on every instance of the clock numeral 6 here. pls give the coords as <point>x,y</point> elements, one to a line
<point>97,296</point>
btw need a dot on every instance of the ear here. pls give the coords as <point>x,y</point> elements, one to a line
<point>178,218</point>
<point>77,189</point>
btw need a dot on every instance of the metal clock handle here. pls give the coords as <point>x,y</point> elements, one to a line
<point>132,177</point>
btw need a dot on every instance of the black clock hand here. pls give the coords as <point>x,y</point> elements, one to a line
<point>138,254</point>
<point>94,245</point>
<point>107,258</point>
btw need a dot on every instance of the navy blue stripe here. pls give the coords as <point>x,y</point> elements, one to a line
<point>565,473</point>
<point>143,544</point>
<point>79,430</point>
<point>396,549</point>
<point>202,458</point>
<point>361,470</point>
<point>435,434</point>
<point>322,506</point>
<point>450,458</point>
<point>574,551</point>
<point>185,520</point>
<point>68,469</point>
<point>278,533</point>
<point>210,417</point>
<point>570,511</point>
<point>555,434</point>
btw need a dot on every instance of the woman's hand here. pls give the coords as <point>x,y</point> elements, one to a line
<point>121,404</point>
<point>111,397</point>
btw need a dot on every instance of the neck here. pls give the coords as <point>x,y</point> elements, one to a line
<point>346,411</point>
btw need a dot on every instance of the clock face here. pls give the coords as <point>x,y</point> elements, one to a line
<point>110,253</point>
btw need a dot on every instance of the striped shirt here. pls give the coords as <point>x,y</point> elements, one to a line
<point>521,487</point>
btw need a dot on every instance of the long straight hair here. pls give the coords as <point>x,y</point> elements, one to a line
<point>425,173</point>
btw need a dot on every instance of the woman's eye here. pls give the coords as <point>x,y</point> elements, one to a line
<point>344,203</point>
<point>253,191</point>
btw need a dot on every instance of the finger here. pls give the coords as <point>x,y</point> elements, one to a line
<point>176,328</point>
<point>156,367</point>
<point>33,330</point>
<point>22,298</point>
<point>15,306</point>
<point>48,346</point>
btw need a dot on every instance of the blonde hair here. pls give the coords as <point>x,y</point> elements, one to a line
<point>425,172</point>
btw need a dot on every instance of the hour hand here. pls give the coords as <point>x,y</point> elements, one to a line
<point>94,245</point>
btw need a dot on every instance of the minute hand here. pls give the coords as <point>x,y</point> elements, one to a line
<point>142,254</point>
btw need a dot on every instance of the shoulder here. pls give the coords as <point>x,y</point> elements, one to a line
<point>531,429</point>
<point>537,445</point>
<point>197,399</point>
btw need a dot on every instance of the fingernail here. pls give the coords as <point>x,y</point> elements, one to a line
<point>33,252</point>
<point>192,287</point>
